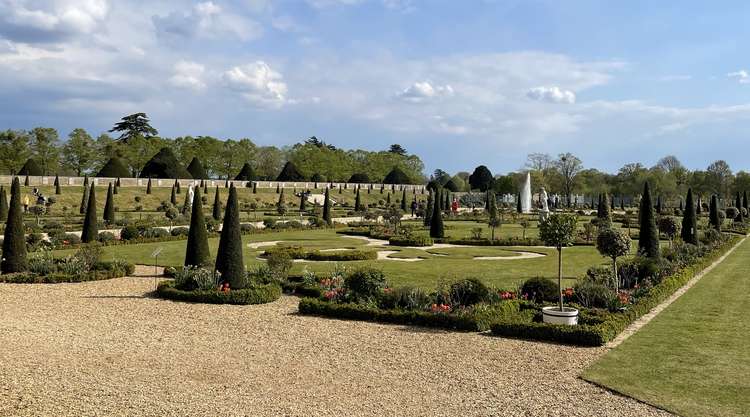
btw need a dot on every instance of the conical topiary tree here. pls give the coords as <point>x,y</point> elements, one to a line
<point>216,212</point>
<point>164,165</point>
<point>255,188</point>
<point>429,209</point>
<point>738,201</point>
<point>327,208</point>
<point>116,187</point>
<point>518,204</point>
<point>86,180</point>
<point>436,222</point>
<point>195,168</point>
<point>114,168</point>
<point>3,204</point>
<point>178,187</point>
<point>229,262</point>
<point>648,241</point>
<point>403,200</point>
<point>31,167</point>
<point>606,211</point>
<point>290,173</point>
<point>58,191</point>
<point>173,196</point>
<point>744,200</point>
<point>197,253</point>
<point>90,231</point>
<point>357,202</point>
<point>148,187</point>
<point>26,181</point>
<point>84,199</point>
<point>109,206</point>
<point>713,213</point>
<point>14,242</point>
<point>246,173</point>
<point>303,202</point>
<point>689,232</point>
<point>187,206</point>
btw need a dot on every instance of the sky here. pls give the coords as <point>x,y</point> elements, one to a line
<point>459,83</point>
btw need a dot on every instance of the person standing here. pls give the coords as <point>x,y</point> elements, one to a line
<point>413,207</point>
<point>25,203</point>
<point>454,206</point>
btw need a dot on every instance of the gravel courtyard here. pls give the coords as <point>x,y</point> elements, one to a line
<point>102,348</point>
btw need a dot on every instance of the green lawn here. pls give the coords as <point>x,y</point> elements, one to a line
<point>458,263</point>
<point>693,359</point>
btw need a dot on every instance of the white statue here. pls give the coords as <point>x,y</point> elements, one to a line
<point>191,193</point>
<point>544,213</point>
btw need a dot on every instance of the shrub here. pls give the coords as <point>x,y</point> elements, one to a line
<point>365,284</point>
<point>255,294</point>
<point>155,232</point>
<point>114,168</point>
<point>164,165</point>
<point>407,298</point>
<point>540,289</point>
<point>191,278</point>
<point>342,256</point>
<point>180,231</point>
<point>279,263</point>
<point>594,292</point>
<point>290,173</point>
<point>129,233</point>
<point>396,176</point>
<point>42,263</point>
<point>105,237</point>
<point>415,240</point>
<point>465,292</point>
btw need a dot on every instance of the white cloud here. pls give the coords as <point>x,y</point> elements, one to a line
<point>421,91</point>
<point>742,76</point>
<point>189,75</point>
<point>50,21</point>
<point>552,94</point>
<point>257,83</point>
<point>207,20</point>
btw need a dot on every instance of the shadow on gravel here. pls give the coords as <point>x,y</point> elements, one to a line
<point>116,296</point>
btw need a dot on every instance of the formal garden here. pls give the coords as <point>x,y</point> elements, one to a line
<point>476,255</point>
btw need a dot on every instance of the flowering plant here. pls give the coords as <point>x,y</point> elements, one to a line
<point>440,308</point>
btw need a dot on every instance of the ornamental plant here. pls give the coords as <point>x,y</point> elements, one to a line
<point>558,230</point>
<point>648,240</point>
<point>109,206</point>
<point>14,243</point>
<point>90,231</point>
<point>229,260</point>
<point>197,253</point>
<point>613,243</point>
<point>689,231</point>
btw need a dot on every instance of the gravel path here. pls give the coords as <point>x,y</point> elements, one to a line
<point>102,348</point>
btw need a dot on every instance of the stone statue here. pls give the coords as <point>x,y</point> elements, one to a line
<point>191,194</point>
<point>544,212</point>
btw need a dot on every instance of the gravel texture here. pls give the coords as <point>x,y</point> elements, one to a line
<point>106,348</point>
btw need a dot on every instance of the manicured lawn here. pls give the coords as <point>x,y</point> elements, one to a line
<point>458,263</point>
<point>693,359</point>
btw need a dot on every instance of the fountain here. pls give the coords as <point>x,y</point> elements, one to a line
<point>526,195</point>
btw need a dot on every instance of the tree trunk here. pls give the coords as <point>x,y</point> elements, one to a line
<point>559,276</point>
<point>614,274</point>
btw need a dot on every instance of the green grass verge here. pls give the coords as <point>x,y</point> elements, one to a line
<point>693,358</point>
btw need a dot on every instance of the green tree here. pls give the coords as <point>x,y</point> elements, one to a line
<point>216,209</point>
<point>14,241</point>
<point>358,202</point>
<point>44,141</point>
<point>14,150</point>
<point>134,125</point>
<point>196,170</point>
<point>493,216</point>
<point>481,179</point>
<point>148,187</point>
<point>437,229</point>
<point>303,202</point>
<point>173,195</point>
<point>3,205</point>
<point>558,230</point>
<point>689,231</point>
<point>568,167</point>
<point>290,173</point>
<point>109,206</point>
<point>90,231</point>
<point>713,214</point>
<point>197,253</point>
<point>84,199</point>
<point>79,152</point>
<point>229,262</point>
<point>281,204</point>
<point>614,244</point>
<point>327,208</point>
<point>403,200</point>
<point>648,239</point>
<point>429,209</point>
<point>58,190</point>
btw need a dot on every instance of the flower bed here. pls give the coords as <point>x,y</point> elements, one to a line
<point>254,294</point>
<point>599,331</point>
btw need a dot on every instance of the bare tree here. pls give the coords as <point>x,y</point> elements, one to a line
<point>568,166</point>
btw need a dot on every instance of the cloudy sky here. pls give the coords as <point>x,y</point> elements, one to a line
<point>460,83</point>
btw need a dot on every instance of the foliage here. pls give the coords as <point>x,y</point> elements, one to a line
<point>689,232</point>
<point>290,173</point>
<point>196,169</point>
<point>558,230</point>
<point>466,292</point>
<point>540,289</point>
<point>397,176</point>
<point>364,284</point>
<point>229,260</point>
<point>196,251</point>
<point>114,168</point>
<point>648,238</point>
<point>669,227</point>
<point>254,294</point>
<point>14,244</point>
<point>164,165</point>
<point>359,178</point>
<point>192,278</point>
<point>30,168</point>
<point>481,178</point>
<point>246,173</point>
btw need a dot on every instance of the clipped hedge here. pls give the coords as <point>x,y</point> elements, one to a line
<point>510,241</point>
<point>420,241</point>
<point>104,270</point>
<point>474,320</point>
<point>601,333</point>
<point>257,294</point>
<point>341,256</point>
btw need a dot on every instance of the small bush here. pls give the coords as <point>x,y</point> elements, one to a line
<point>129,233</point>
<point>417,240</point>
<point>540,289</point>
<point>192,278</point>
<point>180,231</point>
<point>155,232</point>
<point>365,284</point>
<point>407,298</point>
<point>465,292</point>
<point>105,237</point>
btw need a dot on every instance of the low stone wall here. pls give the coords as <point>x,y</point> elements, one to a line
<point>141,182</point>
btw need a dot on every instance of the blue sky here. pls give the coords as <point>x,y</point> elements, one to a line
<point>460,83</point>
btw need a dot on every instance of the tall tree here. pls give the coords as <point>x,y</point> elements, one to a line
<point>397,149</point>
<point>133,125</point>
<point>173,196</point>
<point>44,141</point>
<point>216,212</point>
<point>109,206</point>
<point>79,152</point>
<point>429,209</point>
<point>14,150</point>
<point>481,179</point>
<point>90,231</point>
<point>197,253</point>
<point>568,167</point>
<point>357,202</point>
<point>229,260</point>
<point>436,222</point>
<point>689,232</point>
<point>648,240</point>
<point>3,205</point>
<point>327,207</point>
<point>14,242</point>
<point>84,199</point>
<point>713,214</point>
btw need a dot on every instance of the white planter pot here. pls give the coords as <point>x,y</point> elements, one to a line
<point>553,315</point>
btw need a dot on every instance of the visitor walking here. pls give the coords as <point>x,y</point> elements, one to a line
<point>26,204</point>
<point>454,206</point>
<point>413,207</point>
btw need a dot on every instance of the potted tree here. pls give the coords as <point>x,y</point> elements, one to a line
<point>613,243</point>
<point>558,230</point>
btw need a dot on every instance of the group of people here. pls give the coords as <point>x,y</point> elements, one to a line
<point>418,209</point>
<point>41,200</point>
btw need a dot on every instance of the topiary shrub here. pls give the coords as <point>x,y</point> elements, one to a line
<point>105,237</point>
<point>359,178</point>
<point>180,231</point>
<point>31,167</point>
<point>396,176</point>
<point>114,168</point>
<point>196,170</point>
<point>164,165</point>
<point>465,292</point>
<point>540,289</point>
<point>290,173</point>
<point>129,233</point>
<point>246,173</point>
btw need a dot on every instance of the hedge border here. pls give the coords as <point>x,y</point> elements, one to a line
<point>259,294</point>
<point>600,334</point>
<point>60,278</point>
